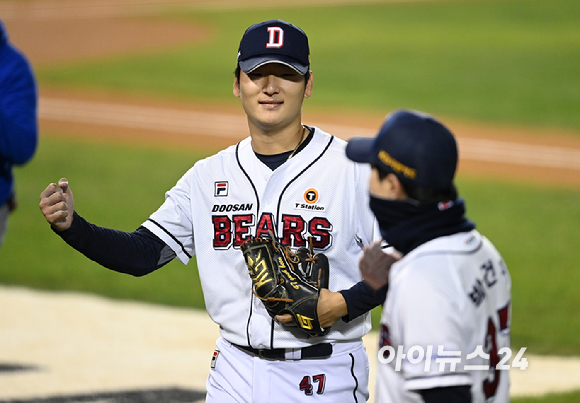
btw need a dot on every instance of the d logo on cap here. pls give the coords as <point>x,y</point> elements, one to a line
<point>273,43</point>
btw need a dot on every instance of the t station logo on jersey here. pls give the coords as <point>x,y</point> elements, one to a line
<point>310,201</point>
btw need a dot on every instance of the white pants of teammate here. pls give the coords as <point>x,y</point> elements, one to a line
<point>241,377</point>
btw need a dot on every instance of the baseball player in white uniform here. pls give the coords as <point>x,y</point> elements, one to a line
<point>288,178</point>
<point>446,319</point>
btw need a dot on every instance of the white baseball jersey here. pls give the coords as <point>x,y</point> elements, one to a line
<point>448,311</point>
<point>226,198</point>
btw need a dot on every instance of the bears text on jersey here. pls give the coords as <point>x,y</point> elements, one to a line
<point>296,230</point>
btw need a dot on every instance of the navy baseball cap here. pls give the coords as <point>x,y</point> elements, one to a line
<point>274,41</point>
<point>413,145</point>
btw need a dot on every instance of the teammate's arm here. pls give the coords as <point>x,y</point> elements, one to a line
<point>18,112</point>
<point>136,253</point>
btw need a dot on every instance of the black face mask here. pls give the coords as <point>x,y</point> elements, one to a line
<point>392,212</point>
<point>405,225</point>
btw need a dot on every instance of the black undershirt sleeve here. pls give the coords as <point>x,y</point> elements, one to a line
<point>449,394</point>
<point>361,298</point>
<point>137,253</point>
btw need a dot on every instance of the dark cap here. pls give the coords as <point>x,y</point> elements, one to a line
<point>274,41</point>
<point>414,146</point>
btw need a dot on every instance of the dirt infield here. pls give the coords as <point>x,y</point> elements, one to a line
<point>72,347</point>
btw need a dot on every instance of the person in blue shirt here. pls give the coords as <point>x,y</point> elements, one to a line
<point>18,121</point>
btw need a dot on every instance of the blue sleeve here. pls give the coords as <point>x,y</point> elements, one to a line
<point>18,107</point>
<point>361,298</point>
<point>137,253</point>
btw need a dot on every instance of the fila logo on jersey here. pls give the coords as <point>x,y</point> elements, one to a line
<point>221,189</point>
<point>276,39</point>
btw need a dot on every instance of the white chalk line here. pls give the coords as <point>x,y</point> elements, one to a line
<point>235,126</point>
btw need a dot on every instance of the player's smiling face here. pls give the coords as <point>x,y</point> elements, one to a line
<point>272,96</point>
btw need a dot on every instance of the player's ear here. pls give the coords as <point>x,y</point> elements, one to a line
<point>236,88</point>
<point>395,186</point>
<point>308,89</point>
<point>387,187</point>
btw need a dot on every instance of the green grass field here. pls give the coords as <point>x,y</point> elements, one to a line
<point>119,186</point>
<point>572,397</point>
<point>114,186</point>
<point>513,62</point>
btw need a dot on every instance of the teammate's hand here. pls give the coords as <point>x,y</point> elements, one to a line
<point>375,265</point>
<point>331,307</point>
<point>57,205</point>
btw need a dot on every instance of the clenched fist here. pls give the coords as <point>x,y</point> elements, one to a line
<point>57,205</point>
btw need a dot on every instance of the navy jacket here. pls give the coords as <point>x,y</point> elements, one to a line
<point>18,113</point>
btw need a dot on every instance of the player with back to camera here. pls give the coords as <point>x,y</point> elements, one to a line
<point>287,179</point>
<point>450,290</point>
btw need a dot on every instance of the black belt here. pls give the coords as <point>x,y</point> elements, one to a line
<point>323,350</point>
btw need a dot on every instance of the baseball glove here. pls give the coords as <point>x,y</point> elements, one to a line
<point>286,281</point>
